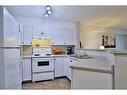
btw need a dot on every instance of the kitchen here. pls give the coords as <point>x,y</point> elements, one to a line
<point>42,48</point>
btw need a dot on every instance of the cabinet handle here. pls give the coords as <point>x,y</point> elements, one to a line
<point>71,61</point>
<point>42,33</point>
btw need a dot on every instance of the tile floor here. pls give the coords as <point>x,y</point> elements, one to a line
<point>61,83</point>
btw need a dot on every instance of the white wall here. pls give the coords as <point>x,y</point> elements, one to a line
<point>91,37</point>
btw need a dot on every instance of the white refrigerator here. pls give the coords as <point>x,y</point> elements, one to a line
<point>10,61</point>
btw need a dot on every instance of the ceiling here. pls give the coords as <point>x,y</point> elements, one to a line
<point>97,16</point>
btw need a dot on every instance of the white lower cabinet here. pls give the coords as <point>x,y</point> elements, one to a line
<point>83,79</point>
<point>26,69</point>
<point>68,63</point>
<point>59,66</point>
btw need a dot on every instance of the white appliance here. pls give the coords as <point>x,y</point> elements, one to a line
<point>10,66</point>
<point>42,64</point>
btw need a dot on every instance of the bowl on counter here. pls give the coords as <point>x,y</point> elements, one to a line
<point>58,51</point>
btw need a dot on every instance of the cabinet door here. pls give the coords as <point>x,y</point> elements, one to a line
<point>70,37</point>
<point>38,31</point>
<point>68,71</point>
<point>21,32</point>
<point>69,75</point>
<point>27,34</point>
<point>59,66</point>
<point>58,36</point>
<point>12,69</point>
<point>26,69</point>
<point>10,30</point>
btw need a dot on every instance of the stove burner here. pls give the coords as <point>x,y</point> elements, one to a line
<point>48,54</point>
<point>36,54</point>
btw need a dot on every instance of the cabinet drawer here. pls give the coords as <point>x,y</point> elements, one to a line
<point>43,76</point>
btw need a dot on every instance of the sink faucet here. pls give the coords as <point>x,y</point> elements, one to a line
<point>81,52</point>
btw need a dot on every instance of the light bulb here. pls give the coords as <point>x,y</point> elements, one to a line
<point>48,8</point>
<point>49,12</point>
<point>46,15</point>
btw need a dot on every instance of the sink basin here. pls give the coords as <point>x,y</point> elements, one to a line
<point>82,57</point>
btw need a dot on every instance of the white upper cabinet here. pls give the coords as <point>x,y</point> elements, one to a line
<point>70,37</point>
<point>41,32</point>
<point>58,36</point>
<point>27,34</point>
<point>10,30</point>
<point>63,36</point>
<point>38,31</point>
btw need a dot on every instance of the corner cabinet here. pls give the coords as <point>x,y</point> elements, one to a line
<point>59,66</point>
<point>68,63</point>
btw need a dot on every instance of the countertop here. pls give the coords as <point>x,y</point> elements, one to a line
<point>113,51</point>
<point>30,56</point>
<point>97,64</point>
<point>120,52</point>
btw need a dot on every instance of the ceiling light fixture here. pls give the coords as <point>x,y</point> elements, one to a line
<point>46,15</point>
<point>48,7</point>
<point>48,11</point>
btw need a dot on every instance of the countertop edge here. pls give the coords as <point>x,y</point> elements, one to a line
<point>92,69</point>
<point>30,56</point>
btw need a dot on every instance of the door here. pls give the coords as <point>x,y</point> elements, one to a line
<point>12,68</point>
<point>59,66</point>
<point>27,34</point>
<point>67,61</point>
<point>68,71</point>
<point>42,64</point>
<point>10,30</point>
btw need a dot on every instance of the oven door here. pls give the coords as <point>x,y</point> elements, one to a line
<point>42,64</point>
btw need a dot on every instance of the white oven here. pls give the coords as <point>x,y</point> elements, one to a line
<point>42,64</point>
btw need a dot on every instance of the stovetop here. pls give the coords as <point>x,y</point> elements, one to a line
<point>41,55</point>
<point>42,52</point>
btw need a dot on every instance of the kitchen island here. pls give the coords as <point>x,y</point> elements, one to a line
<point>92,73</point>
<point>120,75</point>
